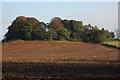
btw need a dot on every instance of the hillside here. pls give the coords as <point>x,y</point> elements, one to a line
<point>58,61</point>
<point>41,51</point>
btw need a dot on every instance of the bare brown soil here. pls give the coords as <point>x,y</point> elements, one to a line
<point>38,51</point>
<point>37,60</point>
<point>57,71</point>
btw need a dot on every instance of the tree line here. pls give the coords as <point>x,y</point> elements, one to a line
<point>27,28</point>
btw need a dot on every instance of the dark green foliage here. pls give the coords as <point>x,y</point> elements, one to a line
<point>54,27</point>
<point>52,34</point>
<point>67,25</point>
<point>26,33</point>
<point>104,35</point>
<point>39,32</point>
<point>93,34</point>
<point>76,29</point>
<point>63,34</point>
<point>90,33</point>
<point>71,30</point>
<point>20,29</point>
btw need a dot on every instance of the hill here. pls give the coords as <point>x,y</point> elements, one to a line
<point>43,51</point>
<point>58,61</point>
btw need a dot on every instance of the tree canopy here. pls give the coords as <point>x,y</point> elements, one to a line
<point>27,28</point>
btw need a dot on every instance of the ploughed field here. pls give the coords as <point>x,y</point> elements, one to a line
<point>58,60</point>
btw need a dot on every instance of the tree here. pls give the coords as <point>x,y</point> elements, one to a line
<point>104,35</point>
<point>112,35</point>
<point>39,32</point>
<point>94,32</point>
<point>56,23</point>
<point>52,34</point>
<point>53,27</point>
<point>27,28</point>
<point>63,34</point>
<point>67,25</point>
<point>75,28</point>
<point>95,35</point>
<point>117,31</point>
<point>34,22</point>
<point>21,28</point>
<point>86,33</point>
<point>25,32</point>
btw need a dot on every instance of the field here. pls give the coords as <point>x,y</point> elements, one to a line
<point>113,43</point>
<point>58,60</point>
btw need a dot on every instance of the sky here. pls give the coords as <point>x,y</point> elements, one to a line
<point>101,14</point>
<point>60,0</point>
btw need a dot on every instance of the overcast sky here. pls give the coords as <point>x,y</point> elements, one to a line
<point>101,14</point>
